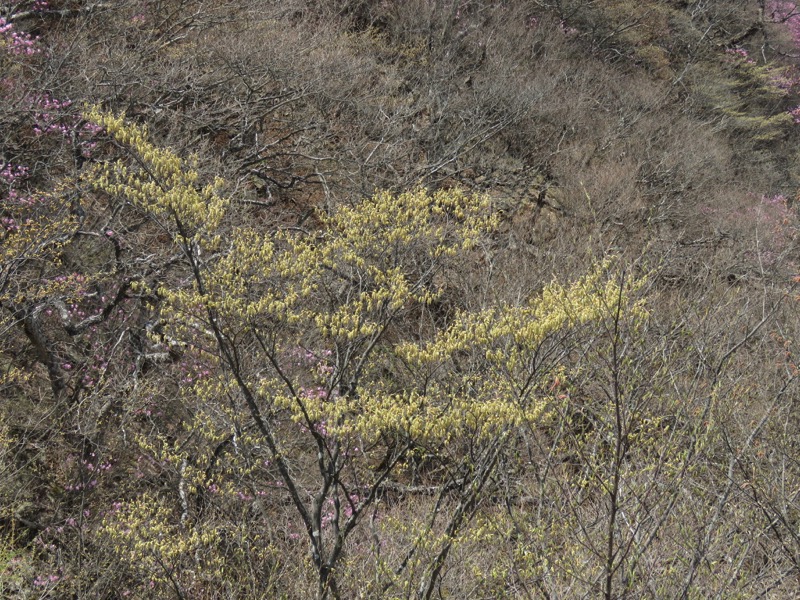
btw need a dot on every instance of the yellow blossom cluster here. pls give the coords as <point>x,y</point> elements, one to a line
<point>31,243</point>
<point>145,538</point>
<point>369,262</point>
<point>156,180</point>
<point>508,334</point>
<point>39,241</point>
<point>342,287</point>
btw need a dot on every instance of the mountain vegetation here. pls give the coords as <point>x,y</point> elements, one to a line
<point>413,299</point>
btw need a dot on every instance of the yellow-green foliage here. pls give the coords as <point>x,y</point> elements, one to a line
<point>6,467</point>
<point>29,260</point>
<point>511,333</point>
<point>36,238</point>
<point>16,566</point>
<point>342,288</point>
<point>338,296</point>
<point>157,181</point>
<point>749,95</point>
<point>148,540</point>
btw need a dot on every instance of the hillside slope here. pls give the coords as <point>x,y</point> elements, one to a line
<point>366,299</point>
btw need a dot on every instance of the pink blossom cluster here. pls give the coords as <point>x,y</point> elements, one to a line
<point>149,410</point>
<point>46,580</point>
<point>78,283</point>
<point>787,81</point>
<point>105,465</point>
<point>795,112</point>
<point>77,487</point>
<point>70,522</point>
<point>786,12</point>
<point>95,370</point>
<point>73,522</point>
<point>11,173</point>
<point>566,29</point>
<point>348,509</point>
<point>316,393</point>
<point>191,373</point>
<point>321,428</point>
<point>11,176</point>
<point>778,201</point>
<point>16,42</point>
<point>9,224</point>
<point>47,115</point>
<point>330,513</point>
<point>348,452</point>
<point>51,116</point>
<point>14,197</point>
<point>318,363</point>
<point>303,357</point>
<point>740,53</point>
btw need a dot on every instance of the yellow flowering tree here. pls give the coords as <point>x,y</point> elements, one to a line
<point>331,375</point>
